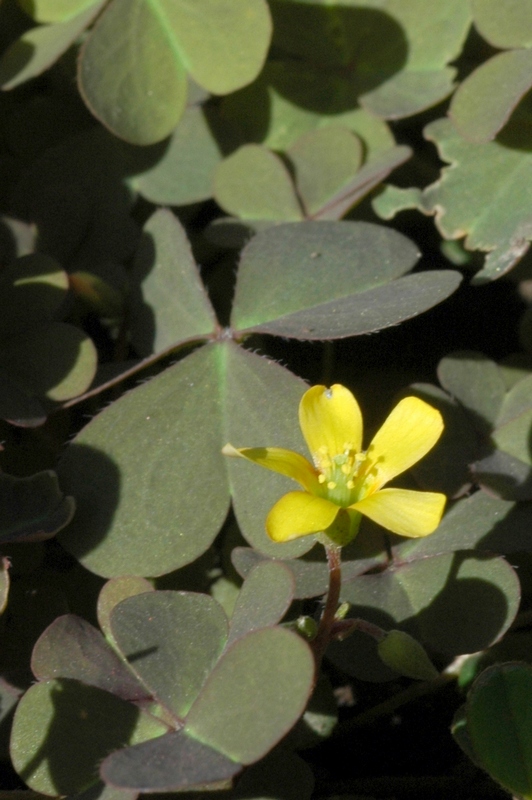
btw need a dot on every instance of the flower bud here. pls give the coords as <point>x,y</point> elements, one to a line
<point>404,654</point>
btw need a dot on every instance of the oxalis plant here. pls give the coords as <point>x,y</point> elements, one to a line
<point>214,213</point>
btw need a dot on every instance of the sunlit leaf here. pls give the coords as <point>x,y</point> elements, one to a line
<point>504,25</point>
<point>277,661</point>
<point>253,183</point>
<point>486,98</point>
<point>63,729</point>
<point>171,641</point>
<point>139,472</point>
<point>71,648</point>
<point>172,305</point>
<point>133,67</point>
<point>263,599</point>
<point>173,762</point>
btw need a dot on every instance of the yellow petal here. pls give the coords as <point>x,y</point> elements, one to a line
<point>286,462</point>
<point>298,514</point>
<point>403,511</point>
<point>330,418</point>
<point>410,431</point>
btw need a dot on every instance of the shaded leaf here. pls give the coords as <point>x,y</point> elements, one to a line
<point>62,730</point>
<point>476,382</point>
<point>277,661</point>
<point>270,112</point>
<point>310,572</point>
<point>498,724</point>
<point>38,48</point>
<point>425,598</point>
<point>446,468</point>
<point>173,306</point>
<point>32,290</point>
<point>485,100</point>
<point>513,428</point>
<point>183,171</point>
<point>33,508</point>
<point>392,56</point>
<point>71,648</point>
<point>263,600</point>
<point>17,405</point>
<point>139,470</point>
<point>504,476</point>
<point>171,641</point>
<point>169,763</point>
<point>56,361</point>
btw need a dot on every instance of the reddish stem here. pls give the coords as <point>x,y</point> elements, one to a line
<point>324,635</point>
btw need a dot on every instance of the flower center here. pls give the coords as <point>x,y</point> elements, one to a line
<point>340,474</point>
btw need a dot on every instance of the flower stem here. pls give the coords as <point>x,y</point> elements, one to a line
<point>323,637</point>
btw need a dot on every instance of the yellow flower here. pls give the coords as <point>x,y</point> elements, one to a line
<point>344,481</point>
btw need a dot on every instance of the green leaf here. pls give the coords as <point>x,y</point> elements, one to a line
<point>32,290</point>
<point>310,263</point>
<point>280,106</point>
<point>267,674</point>
<point>498,724</point>
<point>513,425</point>
<point>464,202</point>
<point>425,598</point>
<point>17,405</point>
<point>263,600</point>
<point>55,10</point>
<point>171,641</point>
<point>446,468</point>
<point>133,67</point>
<point>148,474</point>
<point>253,183</point>
<point>173,762</point>
<point>181,172</point>
<point>328,280</point>
<point>57,361</point>
<point>324,161</point>
<point>311,574</point>
<point>39,48</point>
<point>485,100</point>
<point>481,522</point>
<point>476,382</point>
<point>173,306</point>
<point>33,508</point>
<point>508,25</point>
<point>504,476</point>
<point>394,58</point>
<point>63,729</point>
<point>261,402</point>
<point>71,648</point>
<point>112,593</point>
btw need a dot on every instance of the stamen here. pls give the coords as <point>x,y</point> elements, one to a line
<point>321,478</point>
<point>350,484</point>
<point>331,485</point>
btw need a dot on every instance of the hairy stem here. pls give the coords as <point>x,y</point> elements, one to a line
<point>323,637</point>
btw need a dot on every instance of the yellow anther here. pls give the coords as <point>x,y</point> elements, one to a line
<point>321,478</point>
<point>331,485</point>
<point>350,484</point>
<point>346,468</point>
